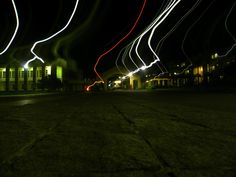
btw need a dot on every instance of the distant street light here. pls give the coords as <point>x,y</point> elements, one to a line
<point>214,56</point>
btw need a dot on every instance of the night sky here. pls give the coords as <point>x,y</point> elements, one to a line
<point>100,24</point>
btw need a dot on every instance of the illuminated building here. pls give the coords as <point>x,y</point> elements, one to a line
<point>113,79</point>
<point>198,74</point>
<point>14,77</point>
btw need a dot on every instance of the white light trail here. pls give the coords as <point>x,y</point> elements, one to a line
<point>50,37</point>
<point>187,32</point>
<point>124,56</point>
<point>231,35</point>
<point>125,49</point>
<point>150,27</point>
<point>141,68</point>
<point>160,43</point>
<point>130,56</point>
<point>139,38</point>
<point>16,29</point>
<point>157,25</point>
<point>160,18</point>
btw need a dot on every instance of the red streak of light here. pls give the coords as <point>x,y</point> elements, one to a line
<point>105,53</point>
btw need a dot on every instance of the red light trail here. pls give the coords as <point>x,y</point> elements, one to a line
<point>114,46</point>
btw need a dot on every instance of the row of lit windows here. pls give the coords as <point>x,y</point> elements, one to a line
<point>199,70</point>
<point>21,72</point>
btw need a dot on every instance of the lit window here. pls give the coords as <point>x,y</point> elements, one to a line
<point>13,74</point>
<point>39,72</point>
<point>59,72</point>
<point>48,70</point>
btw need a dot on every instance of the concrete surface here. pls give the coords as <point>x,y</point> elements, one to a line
<point>119,134</point>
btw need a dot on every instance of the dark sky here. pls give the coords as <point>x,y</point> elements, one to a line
<point>100,24</point>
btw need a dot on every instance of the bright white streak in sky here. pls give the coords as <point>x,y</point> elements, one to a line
<point>157,25</point>
<point>160,18</point>
<point>187,32</point>
<point>174,27</point>
<point>231,35</point>
<point>16,29</point>
<point>49,38</point>
<point>149,28</point>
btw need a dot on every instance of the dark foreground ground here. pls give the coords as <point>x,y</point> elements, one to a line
<point>119,134</point>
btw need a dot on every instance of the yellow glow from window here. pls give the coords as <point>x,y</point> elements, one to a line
<point>2,69</point>
<point>48,70</point>
<point>59,72</point>
<point>198,70</point>
<point>117,82</point>
<point>39,72</point>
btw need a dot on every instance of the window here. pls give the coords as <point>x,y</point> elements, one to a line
<point>48,70</point>
<point>4,74</point>
<point>13,74</point>
<point>39,73</point>
<point>59,72</point>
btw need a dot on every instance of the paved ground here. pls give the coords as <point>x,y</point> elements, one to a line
<point>121,134</point>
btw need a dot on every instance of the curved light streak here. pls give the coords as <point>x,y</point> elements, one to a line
<point>148,29</point>
<point>138,69</point>
<point>157,25</point>
<point>117,58</point>
<point>124,56</point>
<point>114,46</point>
<point>125,49</point>
<point>130,56</point>
<point>187,32</point>
<point>67,41</point>
<point>167,10</point>
<point>16,29</point>
<point>226,20</point>
<point>160,43</point>
<point>231,35</point>
<point>50,37</point>
<point>139,38</point>
<point>160,18</point>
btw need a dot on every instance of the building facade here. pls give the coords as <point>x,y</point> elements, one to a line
<point>18,78</point>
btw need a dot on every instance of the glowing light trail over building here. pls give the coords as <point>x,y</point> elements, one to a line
<point>160,18</point>
<point>187,32</point>
<point>160,43</point>
<point>228,31</point>
<point>16,29</point>
<point>114,46</point>
<point>50,37</point>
